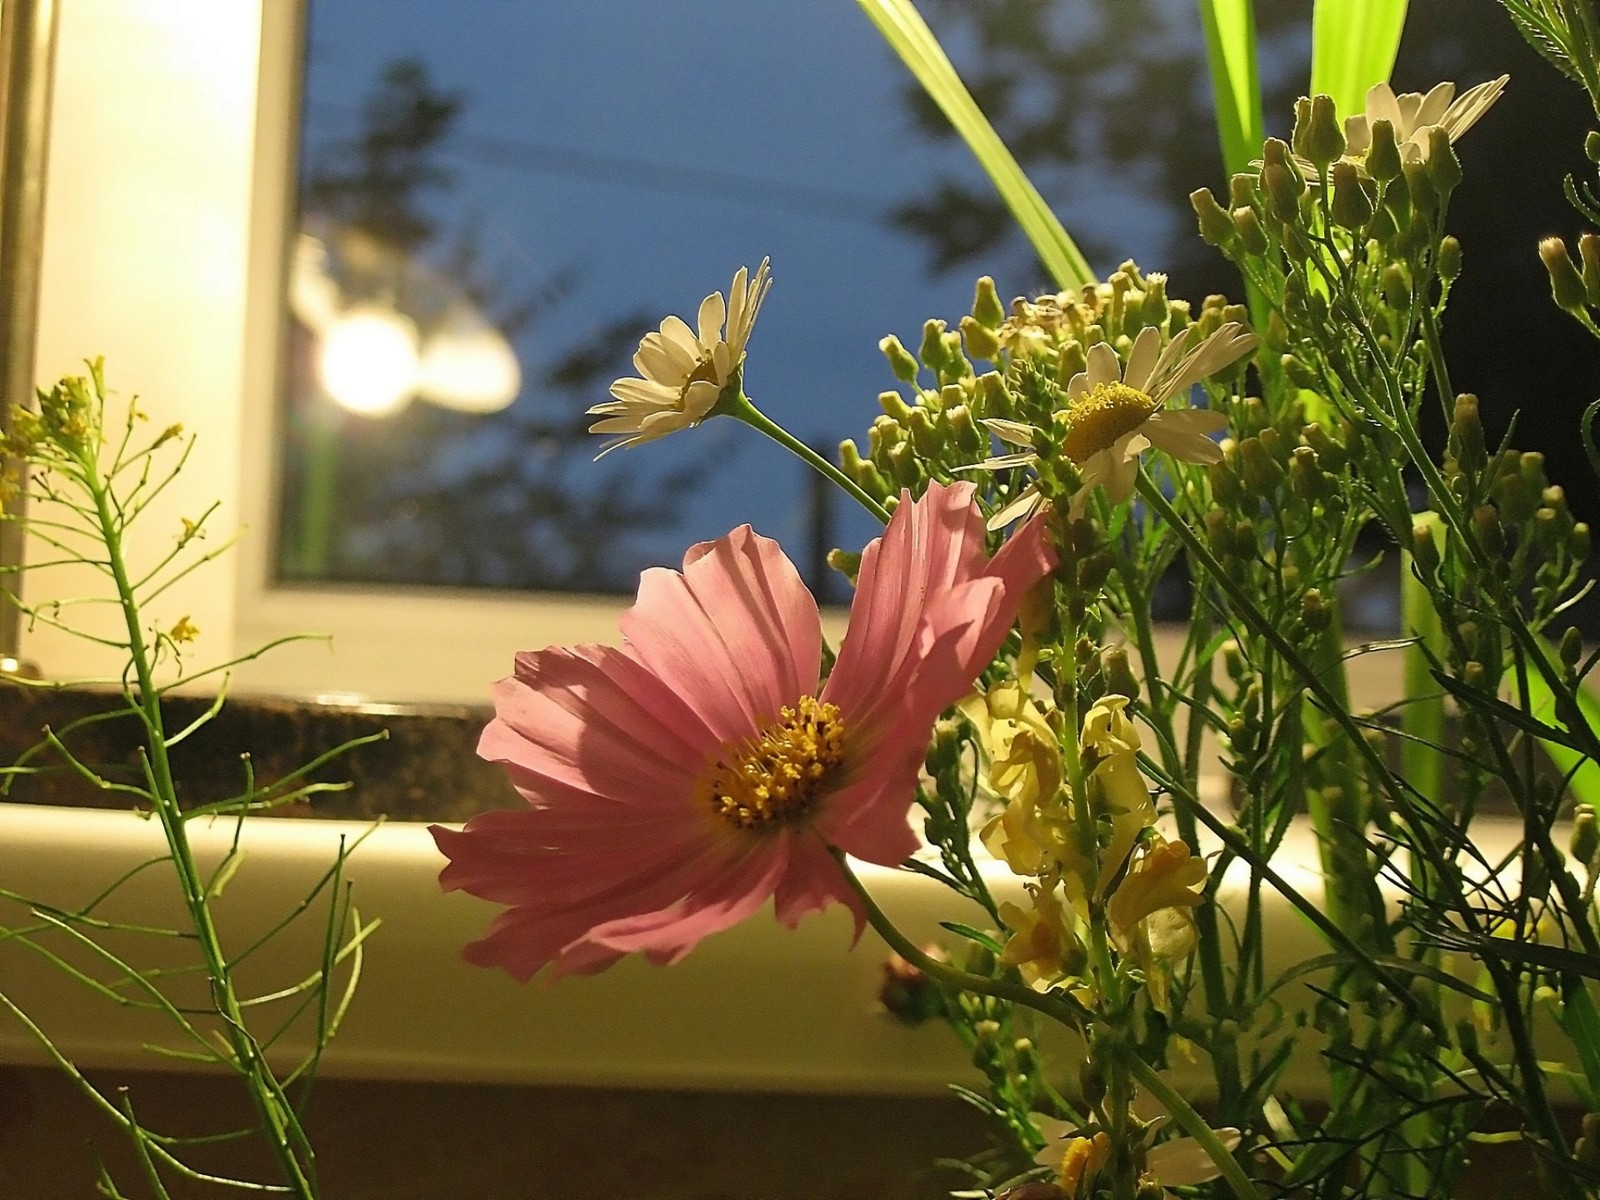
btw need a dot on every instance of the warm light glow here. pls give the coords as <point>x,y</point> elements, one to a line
<point>467,365</point>
<point>368,362</point>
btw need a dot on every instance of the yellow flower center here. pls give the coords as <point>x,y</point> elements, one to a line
<point>1096,419</point>
<point>776,777</point>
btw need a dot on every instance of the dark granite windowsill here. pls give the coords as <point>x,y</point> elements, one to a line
<point>426,769</point>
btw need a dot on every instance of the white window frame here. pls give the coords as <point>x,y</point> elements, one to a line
<point>168,212</point>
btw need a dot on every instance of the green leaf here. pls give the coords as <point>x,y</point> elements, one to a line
<point>1582,1024</point>
<point>1353,44</point>
<point>1567,752</point>
<point>985,940</point>
<point>1230,27</point>
<point>908,34</point>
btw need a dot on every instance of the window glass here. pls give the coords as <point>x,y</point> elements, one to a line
<point>507,195</point>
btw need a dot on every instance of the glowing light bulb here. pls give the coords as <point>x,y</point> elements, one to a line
<point>468,366</point>
<point>369,360</point>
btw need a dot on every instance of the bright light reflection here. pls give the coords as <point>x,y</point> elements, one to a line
<point>468,366</point>
<point>369,361</point>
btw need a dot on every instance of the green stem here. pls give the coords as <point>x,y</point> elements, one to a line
<point>277,1119</point>
<point>741,408</point>
<point>944,973</point>
<point>1190,1122</point>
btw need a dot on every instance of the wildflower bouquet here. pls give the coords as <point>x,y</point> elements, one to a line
<point>998,704</point>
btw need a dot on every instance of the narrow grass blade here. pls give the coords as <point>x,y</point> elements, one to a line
<point>1353,44</point>
<point>908,34</point>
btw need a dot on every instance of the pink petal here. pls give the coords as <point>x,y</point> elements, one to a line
<point>812,880</point>
<point>736,635</point>
<point>931,545</point>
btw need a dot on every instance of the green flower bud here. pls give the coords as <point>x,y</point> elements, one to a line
<point>1444,168</point>
<point>924,436</point>
<point>986,306</point>
<point>1397,200</point>
<point>1324,141</point>
<point>1487,529</point>
<point>894,407</point>
<point>1153,308</point>
<point>1283,187</point>
<point>1383,154</point>
<point>950,395</point>
<point>1449,260</point>
<point>1219,535</point>
<point>1248,226</point>
<point>1352,205</point>
<point>1566,284</point>
<point>1589,254</point>
<point>846,562</point>
<point>1571,649</point>
<point>932,352</point>
<point>1118,674</point>
<point>970,439</point>
<point>1216,229</point>
<point>1591,146</point>
<point>1242,191</point>
<point>904,467</point>
<point>1306,477</point>
<point>1330,453</point>
<point>1225,484</point>
<point>1299,374</point>
<point>1419,182</point>
<point>1093,571</point>
<point>1578,541</point>
<point>1424,551</point>
<point>1396,286</point>
<point>955,364</point>
<point>979,340</point>
<point>900,360</point>
<point>1072,359</point>
<point>1466,434</point>
<point>1302,126</point>
<point>1261,471</point>
<point>1314,611</point>
<point>990,397</point>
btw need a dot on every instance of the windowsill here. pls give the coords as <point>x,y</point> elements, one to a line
<point>756,1008</point>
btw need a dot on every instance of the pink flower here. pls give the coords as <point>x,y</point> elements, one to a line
<point>677,782</point>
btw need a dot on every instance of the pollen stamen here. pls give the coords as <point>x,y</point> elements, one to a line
<point>776,777</point>
<point>1101,415</point>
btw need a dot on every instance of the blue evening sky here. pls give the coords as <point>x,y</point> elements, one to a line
<point>801,94</point>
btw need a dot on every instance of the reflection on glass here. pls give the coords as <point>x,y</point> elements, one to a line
<point>510,197</point>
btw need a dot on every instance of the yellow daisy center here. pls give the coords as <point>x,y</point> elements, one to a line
<point>1101,415</point>
<point>776,777</point>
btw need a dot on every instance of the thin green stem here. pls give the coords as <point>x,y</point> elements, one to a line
<point>1051,1006</point>
<point>1191,1123</point>
<point>741,408</point>
<point>288,1140</point>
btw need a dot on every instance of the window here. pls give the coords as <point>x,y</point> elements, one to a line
<point>167,247</point>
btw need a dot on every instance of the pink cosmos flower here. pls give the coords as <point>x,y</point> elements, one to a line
<point>676,782</point>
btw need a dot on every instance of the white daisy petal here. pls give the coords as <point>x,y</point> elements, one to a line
<point>1013,433</point>
<point>1185,440</point>
<point>679,338</point>
<point>682,373</point>
<point>1103,366</point>
<point>1431,108</point>
<point>1026,502</point>
<point>1183,1161</point>
<point>712,314</point>
<point>1142,359</point>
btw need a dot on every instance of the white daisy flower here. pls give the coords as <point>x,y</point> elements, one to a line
<point>1112,416</point>
<point>1412,114</point>
<point>682,373</point>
